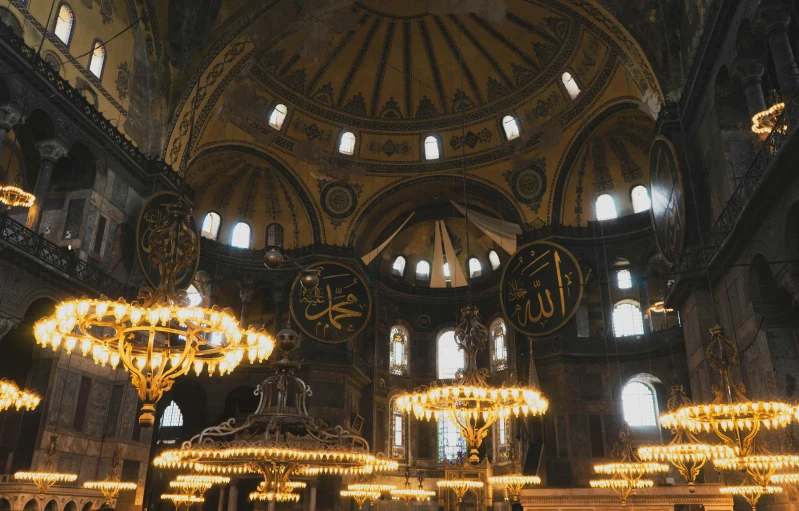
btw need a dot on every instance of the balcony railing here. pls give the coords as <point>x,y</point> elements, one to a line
<point>58,258</point>
<point>150,166</point>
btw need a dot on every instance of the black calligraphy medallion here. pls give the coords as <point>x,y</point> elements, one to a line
<point>335,311</point>
<point>153,217</point>
<point>668,203</point>
<point>541,288</point>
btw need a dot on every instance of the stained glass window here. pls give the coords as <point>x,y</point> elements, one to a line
<point>172,416</point>
<point>450,440</point>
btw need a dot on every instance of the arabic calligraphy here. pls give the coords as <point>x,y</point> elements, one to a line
<point>337,309</point>
<point>668,214</point>
<point>541,288</point>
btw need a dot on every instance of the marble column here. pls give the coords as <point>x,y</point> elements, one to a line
<point>220,506</point>
<point>246,295</point>
<point>312,495</point>
<point>232,495</point>
<point>50,151</point>
<point>9,116</point>
<point>772,19</point>
<point>751,74</point>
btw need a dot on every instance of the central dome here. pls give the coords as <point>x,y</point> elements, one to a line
<point>372,64</point>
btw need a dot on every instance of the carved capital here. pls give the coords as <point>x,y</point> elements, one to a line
<point>771,16</point>
<point>6,324</point>
<point>9,116</point>
<point>749,71</point>
<point>788,279</point>
<point>246,295</point>
<point>51,150</point>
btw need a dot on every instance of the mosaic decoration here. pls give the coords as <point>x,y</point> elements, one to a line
<point>528,184</point>
<point>337,309</point>
<point>603,182</point>
<point>541,288</point>
<point>154,217</point>
<point>338,200</point>
<point>123,80</point>
<point>311,131</point>
<point>423,321</point>
<point>630,170</point>
<point>668,203</point>
<point>578,198</point>
<point>471,139</point>
<point>388,147</point>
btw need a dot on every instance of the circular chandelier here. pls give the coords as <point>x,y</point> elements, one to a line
<point>287,486</point>
<point>628,470</point>
<point>10,395</point>
<point>159,337</point>
<point>277,441</point>
<point>685,451</point>
<point>731,416</point>
<point>751,492</point>
<point>514,483</point>
<point>407,494</point>
<point>111,485</point>
<point>760,465</point>
<point>48,477</point>
<point>274,496</point>
<point>181,498</point>
<point>768,120</point>
<point>13,196</point>
<point>460,484</point>
<point>472,403</point>
<point>361,496</point>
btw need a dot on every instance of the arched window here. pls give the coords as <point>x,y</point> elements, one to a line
<point>446,271</point>
<point>624,279</point>
<point>241,236</point>
<point>423,270</point>
<point>398,266</point>
<point>605,207</point>
<point>450,358</point>
<point>399,350</point>
<point>97,59</point>
<point>502,439</point>
<point>475,268</point>
<point>347,144</point>
<point>195,298</point>
<point>511,127</point>
<point>627,319</point>
<point>499,347</point>
<point>172,417</point>
<point>639,403</point>
<point>450,440</point>
<point>274,235</point>
<point>640,198</point>
<point>210,228</point>
<point>277,116</point>
<point>64,23</point>
<point>397,432</point>
<point>571,85</point>
<point>431,149</point>
<point>493,258</point>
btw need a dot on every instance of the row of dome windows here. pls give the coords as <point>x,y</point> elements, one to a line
<point>64,28</point>
<point>432,145</point>
<point>606,206</point>
<point>241,237</point>
<point>423,267</point>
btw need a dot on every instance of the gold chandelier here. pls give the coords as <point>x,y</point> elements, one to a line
<point>160,337</point>
<point>515,480</point>
<point>181,498</point>
<point>751,492</point>
<point>111,485</point>
<point>48,477</point>
<point>277,441</point>
<point>274,496</point>
<point>10,395</point>
<point>731,416</point>
<point>470,401</point>
<point>686,452</point>
<point>768,120</point>
<point>407,494</point>
<point>360,496</point>
<point>13,196</point>
<point>460,484</point>
<point>760,464</point>
<point>628,470</point>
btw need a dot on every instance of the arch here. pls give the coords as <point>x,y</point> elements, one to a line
<point>432,148</point>
<point>398,266</point>
<point>728,97</point>
<point>346,143</point>
<point>210,226</point>
<point>498,334</point>
<point>569,81</point>
<point>606,207</point>
<point>70,506</point>
<point>450,439</point>
<point>475,268</point>
<point>195,297</point>
<point>31,505</point>
<point>5,505</point>
<point>97,59</point>
<point>64,23</point>
<point>510,126</point>
<point>241,400</point>
<point>627,319</point>
<point>639,196</point>
<point>277,116</point>
<point>639,401</point>
<point>172,416</point>
<point>423,270</point>
<point>767,297</point>
<point>450,358</point>
<point>11,21</point>
<point>398,350</point>
<point>274,235</point>
<point>398,431</point>
<point>51,506</point>
<point>241,236</point>
<point>624,279</point>
<point>87,506</point>
<point>75,171</point>
<point>297,185</point>
<point>493,258</point>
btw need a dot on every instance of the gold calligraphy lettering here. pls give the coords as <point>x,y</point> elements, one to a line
<point>335,311</point>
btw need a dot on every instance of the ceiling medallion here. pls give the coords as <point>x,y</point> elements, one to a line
<point>472,403</point>
<point>628,470</point>
<point>338,200</point>
<point>277,441</point>
<point>159,337</point>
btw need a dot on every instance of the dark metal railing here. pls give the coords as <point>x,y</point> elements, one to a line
<point>59,258</point>
<point>149,165</point>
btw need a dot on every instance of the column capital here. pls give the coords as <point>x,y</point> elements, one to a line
<point>748,71</point>
<point>51,150</point>
<point>9,116</point>
<point>772,16</point>
<point>246,295</point>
